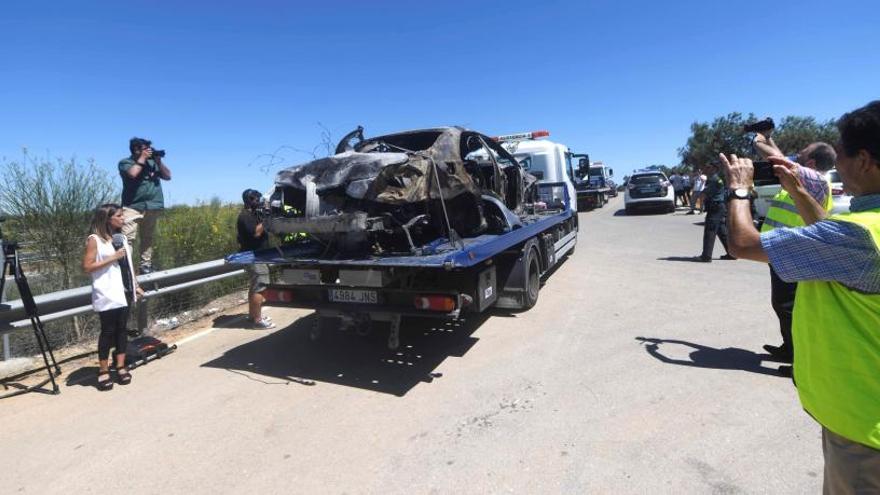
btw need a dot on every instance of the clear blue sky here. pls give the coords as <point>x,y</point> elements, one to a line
<point>220,83</point>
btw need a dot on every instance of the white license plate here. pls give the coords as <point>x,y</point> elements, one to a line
<point>354,296</point>
<point>647,190</point>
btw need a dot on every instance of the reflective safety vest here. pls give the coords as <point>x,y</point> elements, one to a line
<point>836,333</point>
<point>784,213</point>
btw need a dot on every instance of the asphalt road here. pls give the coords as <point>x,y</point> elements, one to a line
<point>564,398</point>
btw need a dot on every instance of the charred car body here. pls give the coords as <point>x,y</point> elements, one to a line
<point>395,193</point>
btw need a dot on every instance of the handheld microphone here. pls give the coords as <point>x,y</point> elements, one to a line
<point>118,242</point>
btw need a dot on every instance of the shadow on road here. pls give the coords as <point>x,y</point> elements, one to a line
<point>87,376</point>
<point>691,259</point>
<point>729,358</point>
<point>345,358</point>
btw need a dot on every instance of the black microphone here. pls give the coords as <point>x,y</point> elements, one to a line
<point>118,243</point>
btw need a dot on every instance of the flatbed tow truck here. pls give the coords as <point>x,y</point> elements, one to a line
<point>594,186</point>
<point>445,278</point>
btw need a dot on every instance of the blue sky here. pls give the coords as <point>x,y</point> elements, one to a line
<point>221,84</point>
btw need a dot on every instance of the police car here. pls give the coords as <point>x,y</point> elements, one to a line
<point>649,189</point>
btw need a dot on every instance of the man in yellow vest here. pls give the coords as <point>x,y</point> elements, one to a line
<point>814,160</point>
<point>836,327</point>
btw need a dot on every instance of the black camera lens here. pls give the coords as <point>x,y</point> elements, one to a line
<point>159,153</point>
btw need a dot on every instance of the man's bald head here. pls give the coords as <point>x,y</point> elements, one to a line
<point>820,156</point>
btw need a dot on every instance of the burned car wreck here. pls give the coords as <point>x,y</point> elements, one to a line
<point>395,193</point>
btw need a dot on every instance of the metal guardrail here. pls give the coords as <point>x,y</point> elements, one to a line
<point>72,302</point>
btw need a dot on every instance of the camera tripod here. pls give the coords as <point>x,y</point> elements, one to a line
<point>12,266</point>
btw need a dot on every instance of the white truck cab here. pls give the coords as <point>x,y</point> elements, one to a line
<point>546,160</point>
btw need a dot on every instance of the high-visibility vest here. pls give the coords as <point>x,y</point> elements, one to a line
<point>784,213</point>
<point>836,333</point>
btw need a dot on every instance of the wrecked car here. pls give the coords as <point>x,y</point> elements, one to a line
<point>397,192</point>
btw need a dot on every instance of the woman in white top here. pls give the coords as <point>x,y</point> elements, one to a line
<point>102,262</point>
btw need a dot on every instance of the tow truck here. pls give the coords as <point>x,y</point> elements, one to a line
<point>445,278</point>
<point>594,185</point>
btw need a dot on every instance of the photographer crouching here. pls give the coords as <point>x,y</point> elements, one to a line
<point>836,322</point>
<point>252,237</point>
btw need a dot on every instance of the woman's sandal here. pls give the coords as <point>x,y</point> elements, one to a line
<point>104,385</point>
<point>124,376</point>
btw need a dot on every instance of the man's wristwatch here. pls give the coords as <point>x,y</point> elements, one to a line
<point>738,193</point>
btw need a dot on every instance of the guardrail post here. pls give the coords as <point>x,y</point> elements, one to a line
<point>7,353</point>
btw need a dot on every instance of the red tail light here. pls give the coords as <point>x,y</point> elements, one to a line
<point>435,303</point>
<point>278,295</point>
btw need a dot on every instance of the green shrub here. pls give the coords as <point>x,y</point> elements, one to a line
<point>193,234</point>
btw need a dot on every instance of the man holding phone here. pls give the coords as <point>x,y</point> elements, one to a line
<point>812,161</point>
<point>837,317</point>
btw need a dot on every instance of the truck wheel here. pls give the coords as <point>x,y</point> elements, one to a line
<point>532,280</point>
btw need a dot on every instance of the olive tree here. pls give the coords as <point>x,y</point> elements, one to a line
<point>49,204</point>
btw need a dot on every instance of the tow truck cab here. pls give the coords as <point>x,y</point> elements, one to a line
<point>548,161</point>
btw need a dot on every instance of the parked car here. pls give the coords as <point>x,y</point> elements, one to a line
<point>840,198</point>
<point>648,189</point>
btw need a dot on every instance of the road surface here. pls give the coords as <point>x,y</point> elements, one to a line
<point>635,373</point>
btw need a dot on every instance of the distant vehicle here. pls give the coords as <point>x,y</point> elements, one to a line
<point>594,186</point>
<point>840,198</point>
<point>648,189</point>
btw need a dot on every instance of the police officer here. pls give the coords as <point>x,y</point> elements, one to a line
<point>716,215</point>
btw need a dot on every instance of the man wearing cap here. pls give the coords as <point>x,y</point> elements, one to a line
<point>142,201</point>
<point>251,237</point>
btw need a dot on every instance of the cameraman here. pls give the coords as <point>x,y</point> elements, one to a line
<point>252,237</point>
<point>836,326</point>
<point>142,198</point>
<point>813,161</point>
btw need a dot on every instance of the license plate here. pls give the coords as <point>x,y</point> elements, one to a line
<point>354,296</point>
<point>647,190</point>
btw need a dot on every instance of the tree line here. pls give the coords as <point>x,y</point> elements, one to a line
<point>725,134</point>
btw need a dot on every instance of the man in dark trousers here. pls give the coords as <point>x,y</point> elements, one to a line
<point>252,237</point>
<point>716,215</point>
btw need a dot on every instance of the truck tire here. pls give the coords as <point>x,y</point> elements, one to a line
<point>532,280</point>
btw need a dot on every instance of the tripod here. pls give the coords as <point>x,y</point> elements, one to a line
<point>12,266</point>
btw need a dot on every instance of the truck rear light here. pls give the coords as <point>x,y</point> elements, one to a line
<point>435,303</point>
<point>278,295</point>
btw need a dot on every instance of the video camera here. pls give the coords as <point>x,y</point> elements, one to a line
<point>159,153</point>
<point>760,126</point>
